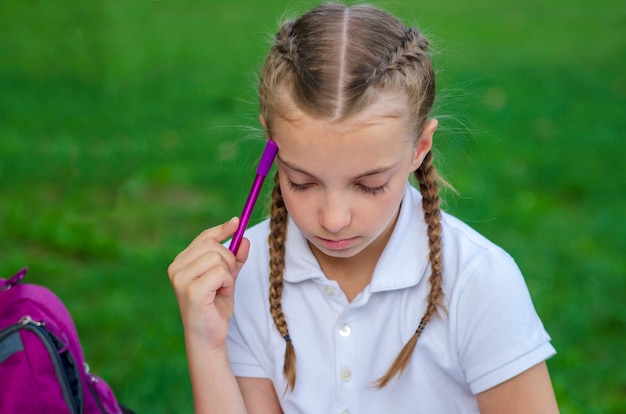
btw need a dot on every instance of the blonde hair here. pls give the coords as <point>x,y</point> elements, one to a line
<point>333,62</point>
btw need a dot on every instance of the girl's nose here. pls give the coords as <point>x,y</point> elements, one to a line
<point>335,213</point>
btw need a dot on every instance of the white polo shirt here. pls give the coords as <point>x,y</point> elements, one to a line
<point>490,333</point>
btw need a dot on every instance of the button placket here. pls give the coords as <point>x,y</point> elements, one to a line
<point>346,352</point>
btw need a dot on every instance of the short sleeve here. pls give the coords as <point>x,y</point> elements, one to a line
<point>242,360</point>
<point>500,334</point>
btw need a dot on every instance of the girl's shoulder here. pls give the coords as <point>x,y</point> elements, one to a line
<point>467,253</point>
<point>463,235</point>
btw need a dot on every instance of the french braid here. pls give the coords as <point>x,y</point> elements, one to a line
<point>427,178</point>
<point>406,59</point>
<point>276,241</point>
<point>410,51</point>
<point>287,45</point>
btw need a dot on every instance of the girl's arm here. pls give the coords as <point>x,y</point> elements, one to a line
<point>528,393</point>
<point>213,384</point>
<point>259,395</point>
<point>203,277</point>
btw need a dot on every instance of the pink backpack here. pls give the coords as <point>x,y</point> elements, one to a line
<point>42,367</point>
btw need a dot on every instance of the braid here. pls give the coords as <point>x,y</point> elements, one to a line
<point>429,187</point>
<point>276,241</point>
<point>412,50</point>
<point>287,47</point>
<point>427,177</point>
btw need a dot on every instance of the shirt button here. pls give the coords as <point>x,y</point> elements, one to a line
<point>345,331</point>
<point>346,375</point>
<point>330,291</point>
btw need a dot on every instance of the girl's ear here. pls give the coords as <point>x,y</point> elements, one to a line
<point>264,124</point>
<point>424,142</point>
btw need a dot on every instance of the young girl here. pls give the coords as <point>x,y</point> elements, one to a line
<point>358,295</point>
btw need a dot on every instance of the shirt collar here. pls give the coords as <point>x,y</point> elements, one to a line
<point>405,258</point>
<point>401,264</point>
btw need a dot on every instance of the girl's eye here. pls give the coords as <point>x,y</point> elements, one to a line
<point>372,190</point>
<point>297,187</point>
<point>364,188</point>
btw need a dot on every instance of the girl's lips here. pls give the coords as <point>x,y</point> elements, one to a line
<point>340,244</point>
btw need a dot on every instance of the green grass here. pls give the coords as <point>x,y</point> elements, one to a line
<point>126,127</point>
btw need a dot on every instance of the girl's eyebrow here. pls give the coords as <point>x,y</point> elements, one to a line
<point>294,167</point>
<point>358,177</point>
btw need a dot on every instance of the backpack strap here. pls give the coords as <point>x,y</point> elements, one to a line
<point>6,284</point>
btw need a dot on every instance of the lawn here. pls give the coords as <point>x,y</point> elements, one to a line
<point>127,127</point>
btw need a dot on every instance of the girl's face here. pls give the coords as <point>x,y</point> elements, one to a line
<point>343,182</point>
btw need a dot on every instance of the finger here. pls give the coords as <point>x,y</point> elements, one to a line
<point>204,289</point>
<point>183,275</point>
<point>206,304</point>
<point>242,255</point>
<point>219,233</point>
<point>209,239</point>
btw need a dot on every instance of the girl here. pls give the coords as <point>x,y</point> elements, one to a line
<point>358,294</point>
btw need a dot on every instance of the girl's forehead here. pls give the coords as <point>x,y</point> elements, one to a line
<point>385,106</point>
<point>366,129</point>
<point>343,148</point>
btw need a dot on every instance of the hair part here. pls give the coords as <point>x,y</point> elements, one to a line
<point>333,62</point>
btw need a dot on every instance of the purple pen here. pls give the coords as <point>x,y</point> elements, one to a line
<point>261,172</point>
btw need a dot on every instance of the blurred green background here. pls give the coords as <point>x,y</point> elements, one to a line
<point>127,127</point>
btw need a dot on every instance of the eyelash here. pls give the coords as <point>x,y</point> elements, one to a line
<point>374,191</point>
<point>297,187</point>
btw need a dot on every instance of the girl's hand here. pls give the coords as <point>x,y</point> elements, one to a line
<point>203,277</point>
